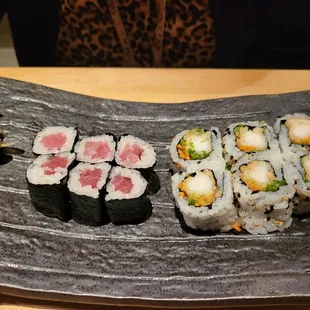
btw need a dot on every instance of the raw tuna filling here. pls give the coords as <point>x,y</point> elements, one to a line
<point>131,154</point>
<point>54,141</point>
<point>90,177</point>
<point>97,150</point>
<point>122,184</point>
<point>53,163</point>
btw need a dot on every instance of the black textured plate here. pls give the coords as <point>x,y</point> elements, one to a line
<point>155,263</point>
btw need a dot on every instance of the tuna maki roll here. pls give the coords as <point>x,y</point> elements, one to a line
<point>54,140</point>
<point>134,153</point>
<point>47,184</point>
<point>245,138</point>
<point>205,199</point>
<point>192,148</point>
<point>96,149</point>
<point>126,199</point>
<point>86,186</point>
<point>264,191</point>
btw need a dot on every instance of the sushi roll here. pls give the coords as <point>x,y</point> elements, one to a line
<point>299,175</point>
<point>96,149</point>
<point>247,138</point>
<point>264,193</point>
<point>134,153</point>
<point>47,184</point>
<point>54,140</point>
<point>205,199</point>
<point>191,149</point>
<point>86,186</point>
<point>294,140</point>
<point>294,136</point>
<point>126,198</point>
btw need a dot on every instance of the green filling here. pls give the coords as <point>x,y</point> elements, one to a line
<point>191,202</point>
<point>182,142</point>
<point>273,186</point>
<point>305,179</point>
<point>195,155</point>
<point>228,167</point>
<point>237,129</point>
<point>190,147</point>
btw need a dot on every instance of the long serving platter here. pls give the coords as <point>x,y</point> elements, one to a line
<point>156,263</point>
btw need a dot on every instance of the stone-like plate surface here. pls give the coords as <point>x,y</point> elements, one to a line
<point>155,262</point>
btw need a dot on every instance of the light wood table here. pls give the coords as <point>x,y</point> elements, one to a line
<point>154,85</point>
<point>162,85</point>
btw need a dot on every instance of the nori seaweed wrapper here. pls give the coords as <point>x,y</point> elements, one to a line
<point>129,211</point>
<point>153,183</point>
<point>88,210</point>
<point>146,172</point>
<point>51,200</point>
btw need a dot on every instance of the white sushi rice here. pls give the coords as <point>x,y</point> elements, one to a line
<point>259,223</point>
<point>231,150</point>
<point>223,213</point>
<point>36,175</point>
<point>139,184</point>
<point>80,149</point>
<point>148,157</point>
<point>69,132</point>
<point>301,200</point>
<point>195,165</point>
<point>254,205</point>
<point>74,183</point>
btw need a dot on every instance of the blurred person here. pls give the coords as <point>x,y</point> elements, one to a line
<point>161,33</point>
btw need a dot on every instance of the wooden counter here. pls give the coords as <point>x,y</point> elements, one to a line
<point>163,85</point>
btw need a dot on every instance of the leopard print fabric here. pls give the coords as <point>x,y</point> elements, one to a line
<point>135,16</point>
<point>189,39</point>
<point>88,37</point>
